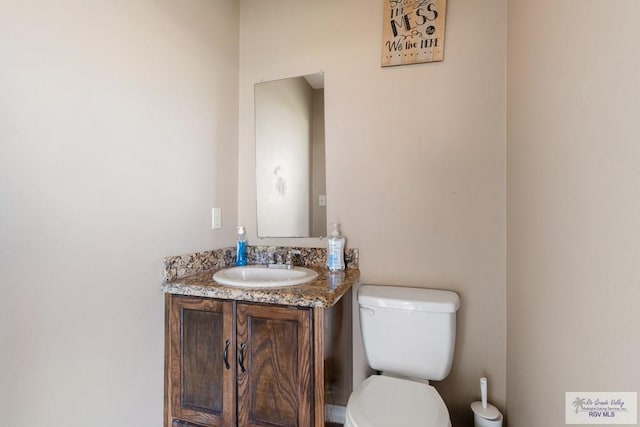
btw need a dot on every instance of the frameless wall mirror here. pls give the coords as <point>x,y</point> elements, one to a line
<point>290,157</point>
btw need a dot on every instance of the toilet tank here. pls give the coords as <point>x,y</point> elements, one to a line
<point>408,332</point>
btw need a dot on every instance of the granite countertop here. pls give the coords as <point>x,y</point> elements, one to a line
<point>192,274</point>
<point>324,291</point>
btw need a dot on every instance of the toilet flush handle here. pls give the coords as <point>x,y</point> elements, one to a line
<point>368,310</point>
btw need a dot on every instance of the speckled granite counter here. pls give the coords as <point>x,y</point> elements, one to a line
<point>325,291</point>
<point>193,275</point>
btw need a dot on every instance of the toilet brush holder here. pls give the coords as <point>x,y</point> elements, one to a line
<point>479,421</point>
<point>485,414</point>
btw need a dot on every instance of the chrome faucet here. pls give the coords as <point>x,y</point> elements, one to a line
<point>290,254</point>
<point>282,259</point>
<point>276,259</point>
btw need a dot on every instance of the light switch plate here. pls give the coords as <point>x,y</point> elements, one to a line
<point>216,218</point>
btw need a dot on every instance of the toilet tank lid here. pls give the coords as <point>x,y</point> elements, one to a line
<point>403,298</point>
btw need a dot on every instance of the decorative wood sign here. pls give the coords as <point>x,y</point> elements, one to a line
<point>413,31</point>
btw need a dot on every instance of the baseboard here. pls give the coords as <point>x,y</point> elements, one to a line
<point>335,414</point>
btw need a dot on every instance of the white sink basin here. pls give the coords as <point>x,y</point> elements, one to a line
<point>258,276</point>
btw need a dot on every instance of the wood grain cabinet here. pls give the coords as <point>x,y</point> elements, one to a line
<point>243,364</point>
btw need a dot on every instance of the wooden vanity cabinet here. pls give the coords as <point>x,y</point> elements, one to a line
<point>232,363</point>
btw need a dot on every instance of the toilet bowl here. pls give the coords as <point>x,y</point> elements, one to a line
<point>409,335</point>
<point>382,401</point>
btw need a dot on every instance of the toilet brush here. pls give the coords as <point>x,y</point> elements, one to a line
<point>484,410</point>
<point>483,392</point>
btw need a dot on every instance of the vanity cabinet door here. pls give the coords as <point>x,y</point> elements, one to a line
<point>275,369</point>
<point>201,362</point>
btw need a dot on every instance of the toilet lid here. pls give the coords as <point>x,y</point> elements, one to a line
<point>382,401</point>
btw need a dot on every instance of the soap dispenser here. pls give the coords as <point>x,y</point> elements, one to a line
<point>335,249</point>
<point>241,247</point>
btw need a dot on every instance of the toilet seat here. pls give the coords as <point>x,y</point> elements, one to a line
<point>382,401</point>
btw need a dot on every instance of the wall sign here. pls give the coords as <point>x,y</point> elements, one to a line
<point>413,31</point>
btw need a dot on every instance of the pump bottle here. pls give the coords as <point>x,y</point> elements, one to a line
<point>241,247</point>
<point>335,249</point>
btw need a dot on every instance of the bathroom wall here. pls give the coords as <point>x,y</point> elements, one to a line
<point>574,204</point>
<point>415,159</point>
<point>118,133</point>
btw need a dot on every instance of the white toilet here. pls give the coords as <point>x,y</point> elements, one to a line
<point>408,334</point>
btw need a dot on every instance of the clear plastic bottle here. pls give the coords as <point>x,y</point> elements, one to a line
<point>335,249</point>
<point>241,247</point>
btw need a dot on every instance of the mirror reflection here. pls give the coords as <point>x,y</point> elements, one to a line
<point>290,157</point>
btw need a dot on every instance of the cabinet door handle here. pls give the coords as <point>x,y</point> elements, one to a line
<point>241,358</point>
<point>225,355</point>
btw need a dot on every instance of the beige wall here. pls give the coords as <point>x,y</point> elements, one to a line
<point>574,204</point>
<point>118,134</point>
<point>415,158</point>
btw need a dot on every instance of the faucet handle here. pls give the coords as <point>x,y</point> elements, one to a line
<point>279,256</point>
<point>271,255</point>
<point>262,256</point>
